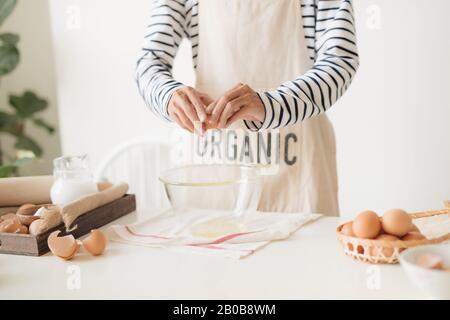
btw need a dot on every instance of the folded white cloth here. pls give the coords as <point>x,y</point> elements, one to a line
<point>216,233</point>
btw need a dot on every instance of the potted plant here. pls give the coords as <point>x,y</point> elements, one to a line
<point>23,109</point>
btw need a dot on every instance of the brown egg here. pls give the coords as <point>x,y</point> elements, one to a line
<point>26,220</point>
<point>64,247</point>
<point>347,229</point>
<point>387,252</point>
<point>367,225</point>
<point>8,216</point>
<point>95,243</point>
<point>27,209</point>
<point>396,222</point>
<point>10,226</point>
<point>430,261</point>
<point>23,230</point>
<point>413,235</point>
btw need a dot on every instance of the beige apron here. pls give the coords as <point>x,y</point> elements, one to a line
<point>261,43</point>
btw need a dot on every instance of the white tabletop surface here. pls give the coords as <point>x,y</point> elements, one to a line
<point>309,265</point>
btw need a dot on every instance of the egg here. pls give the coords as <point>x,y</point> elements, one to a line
<point>27,209</point>
<point>367,225</point>
<point>387,252</point>
<point>22,230</point>
<point>95,243</point>
<point>8,216</point>
<point>26,220</point>
<point>414,228</point>
<point>36,226</point>
<point>64,247</point>
<point>10,226</point>
<point>413,235</point>
<point>347,229</point>
<point>396,222</point>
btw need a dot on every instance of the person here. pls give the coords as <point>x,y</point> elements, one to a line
<point>265,66</point>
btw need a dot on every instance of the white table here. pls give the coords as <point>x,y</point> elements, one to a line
<point>309,265</point>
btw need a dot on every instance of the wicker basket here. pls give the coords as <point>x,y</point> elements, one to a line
<point>382,251</point>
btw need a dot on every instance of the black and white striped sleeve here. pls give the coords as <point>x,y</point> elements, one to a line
<point>163,35</point>
<point>333,43</point>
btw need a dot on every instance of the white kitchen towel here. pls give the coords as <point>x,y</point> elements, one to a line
<point>215,233</point>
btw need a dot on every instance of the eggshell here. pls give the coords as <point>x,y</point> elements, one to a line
<point>414,228</point>
<point>23,230</point>
<point>8,216</point>
<point>27,209</point>
<point>430,261</point>
<point>36,227</point>
<point>95,243</point>
<point>413,235</point>
<point>63,247</point>
<point>26,220</point>
<point>10,225</point>
<point>387,252</point>
<point>39,212</point>
<point>396,222</point>
<point>367,225</point>
<point>347,229</point>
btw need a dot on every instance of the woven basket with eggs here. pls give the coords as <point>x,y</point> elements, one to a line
<point>374,239</point>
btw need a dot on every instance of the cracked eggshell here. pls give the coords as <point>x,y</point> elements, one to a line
<point>27,220</point>
<point>8,216</point>
<point>64,247</point>
<point>27,209</point>
<point>95,243</point>
<point>10,226</point>
<point>36,227</point>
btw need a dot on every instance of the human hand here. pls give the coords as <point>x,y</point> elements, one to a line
<point>187,107</point>
<point>239,103</point>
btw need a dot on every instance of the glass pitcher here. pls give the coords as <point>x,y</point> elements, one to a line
<point>73,179</point>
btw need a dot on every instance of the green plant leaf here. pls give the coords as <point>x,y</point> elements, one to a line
<point>27,104</point>
<point>9,58</point>
<point>9,38</point>
<point>26,143</point>
<point>7,170</point>
<point>7,119</point>
<point>10,123</point>
<point>6,7</point>
<point>43,124</point>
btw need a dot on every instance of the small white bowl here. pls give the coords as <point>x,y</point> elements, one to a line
<point>435,283</point>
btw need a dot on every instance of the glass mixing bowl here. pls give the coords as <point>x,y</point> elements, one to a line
<point>234,188</point>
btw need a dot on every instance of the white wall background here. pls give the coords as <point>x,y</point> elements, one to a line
<point>392,125</point>
<point>35,72</point>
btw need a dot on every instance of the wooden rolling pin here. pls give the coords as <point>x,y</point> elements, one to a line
<point>17,191</point>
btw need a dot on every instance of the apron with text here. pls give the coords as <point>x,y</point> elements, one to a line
<point>261,43</point>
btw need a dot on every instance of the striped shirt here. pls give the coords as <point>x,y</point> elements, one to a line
<point>329,28</point>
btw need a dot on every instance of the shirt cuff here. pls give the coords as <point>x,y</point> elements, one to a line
<point>166,99</point>
<point>268,122</point>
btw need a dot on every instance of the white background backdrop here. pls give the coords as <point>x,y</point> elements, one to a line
<point>392,125</point>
